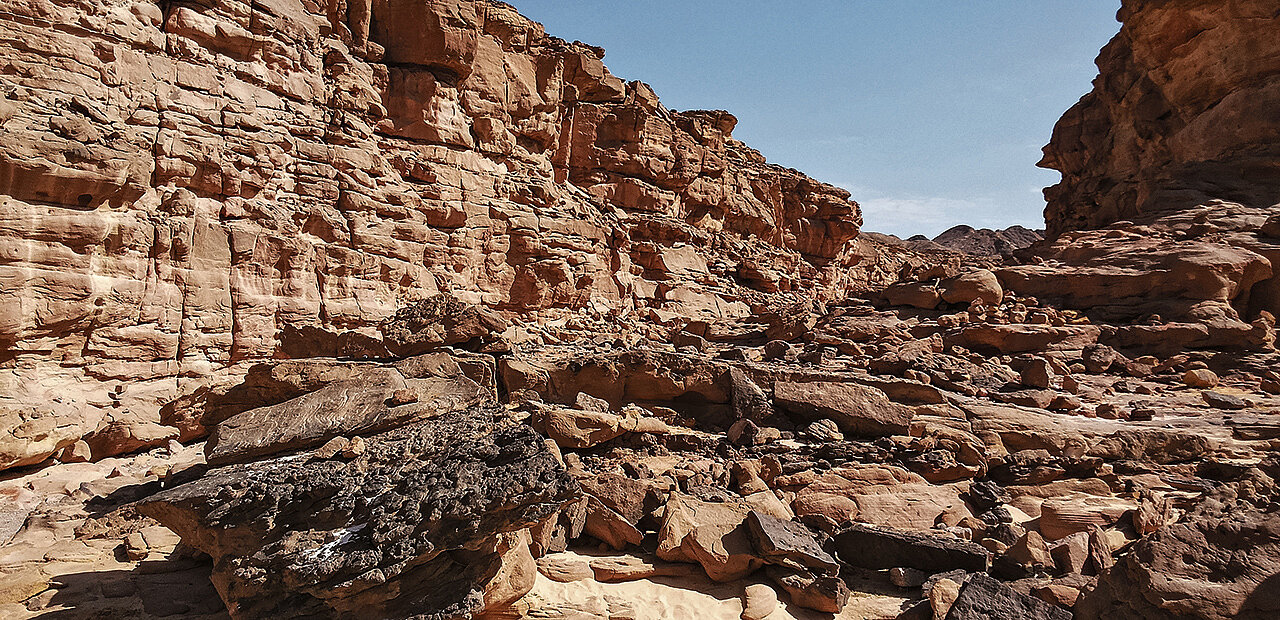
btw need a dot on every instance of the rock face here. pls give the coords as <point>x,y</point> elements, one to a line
<point>424,521</point>
<point>1184,111</point>
<point>190,187</point>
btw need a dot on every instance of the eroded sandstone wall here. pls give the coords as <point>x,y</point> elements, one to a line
<point>1186,109</point>
<point>190,186</point>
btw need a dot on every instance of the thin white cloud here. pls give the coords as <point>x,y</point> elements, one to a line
<point>928,215</point>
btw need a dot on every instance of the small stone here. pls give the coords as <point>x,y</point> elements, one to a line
<point>77,452</point>
<point>135,547</point>
<point>758,601</point>
<point>1201,378</point>
<point>684,339</point>
<point>1037,374</point>
<point>743,433</point>
<point>825,430</point>
<point>778,350</point>
<point>1057,594</point>
<point>1071,554</point>
<point>331,448</point>
<point>942,596</point>
<point>1218,400</point>
<point>1065,402</point>
<point>355,448</point>
<point>403,397</point>
<point>1110,411</point>
<point>905,577</point>
<point>1031,550</point>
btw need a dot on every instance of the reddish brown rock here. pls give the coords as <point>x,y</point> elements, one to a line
<point>191,188</point>
<point>1181,113</point>
<point>856,409</point>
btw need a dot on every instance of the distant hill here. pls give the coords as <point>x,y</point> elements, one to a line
<point>987,242</point>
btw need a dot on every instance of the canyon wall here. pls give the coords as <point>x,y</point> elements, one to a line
<point>1186,109</point>
<point>189,187</point>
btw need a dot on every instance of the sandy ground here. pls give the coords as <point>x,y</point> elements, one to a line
<point>691,598</point>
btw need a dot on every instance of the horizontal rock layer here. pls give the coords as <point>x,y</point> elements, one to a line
<point>192,186</point>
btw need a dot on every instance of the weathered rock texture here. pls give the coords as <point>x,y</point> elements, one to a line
<point>1223,563</point>
<point>186,187</point>
<point>1185,110</point>
<point>415,526</point>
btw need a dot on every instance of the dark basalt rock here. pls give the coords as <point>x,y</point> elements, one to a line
<point>984,598</point>
<point>408,528</point>
<point>783,542</point>
<point>865,546</point>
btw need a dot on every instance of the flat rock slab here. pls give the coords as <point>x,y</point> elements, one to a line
<point>373,402</point>
<point>866,546</point>
<point>298,536</point>
<point>779,541</point>
<point>856,409</point>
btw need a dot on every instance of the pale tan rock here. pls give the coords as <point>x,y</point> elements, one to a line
<point>632,568</point>
<point>1201,378</point>
<point>942,596</point>
<point>564,570</point>
<point>1060,518</point>
<point>876,494</point>
<point>758,601</point>
<point>711,534</point>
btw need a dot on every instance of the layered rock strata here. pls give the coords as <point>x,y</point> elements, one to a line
<point>1184,111</point>
<point>189,187</point>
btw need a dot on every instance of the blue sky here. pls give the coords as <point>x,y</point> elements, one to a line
<point>932,112</point>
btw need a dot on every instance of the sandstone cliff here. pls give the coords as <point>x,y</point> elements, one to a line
<point>187,187</point>
<point>1186,109</point>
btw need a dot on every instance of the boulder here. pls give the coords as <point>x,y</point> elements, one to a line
<point>1012,339</point>
<point>921,295</point>
<point>1221,562</point>
<point>1200,378</point>
<point>978,285</point>
<point>877,494</point>
<point>363,404</point>
<point>856,409</point>
<point>414,525</point>
<point>786,542</point>
<point>443,320</point>
<point>711,534</point>
<point>867,546</point>
<point>1061,517</point>
<point>984,598</point>
<point>827,594</point>
<point>758,601</point>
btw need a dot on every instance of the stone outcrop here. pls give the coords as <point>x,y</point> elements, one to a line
<point>1207,264</point>
<point>1183,112</point>
<point>190,187</point>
